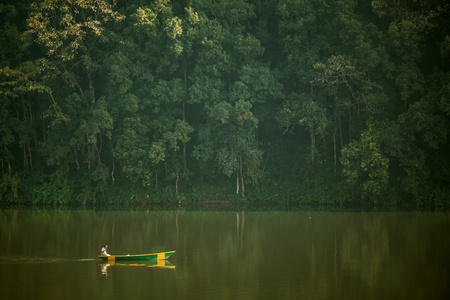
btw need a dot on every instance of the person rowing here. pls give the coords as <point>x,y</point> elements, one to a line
<point>104,250</point>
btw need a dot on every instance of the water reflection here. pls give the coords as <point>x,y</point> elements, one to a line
<point>165,264</point>
<point>227,255</point>
<point>240,220</point>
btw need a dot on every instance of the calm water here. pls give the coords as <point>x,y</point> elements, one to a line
<point>48,254</point>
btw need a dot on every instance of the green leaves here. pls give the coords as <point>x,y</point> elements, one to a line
<point>62,27</point>
<point>173,93</point>
<point>16,82</point>
<point>336,71</point>
<point>365,167</point>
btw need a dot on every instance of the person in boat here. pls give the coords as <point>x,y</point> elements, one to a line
<point>104,252</point>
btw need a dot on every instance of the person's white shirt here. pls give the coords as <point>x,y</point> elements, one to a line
<point>104,252</point>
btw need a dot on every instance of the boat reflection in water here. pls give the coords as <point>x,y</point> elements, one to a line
<point>160,263</point>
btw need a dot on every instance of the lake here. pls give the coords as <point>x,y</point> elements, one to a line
<point>52,254</point>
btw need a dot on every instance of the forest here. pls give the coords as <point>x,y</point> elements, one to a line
<point>310,102</point>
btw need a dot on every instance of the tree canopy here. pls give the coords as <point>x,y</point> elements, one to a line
<point>288,101</point>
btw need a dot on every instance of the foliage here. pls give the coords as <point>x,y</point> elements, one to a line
<point>290,101</point>
<point>9,188</point>
<point>55,192</point>
<point>365,167</point>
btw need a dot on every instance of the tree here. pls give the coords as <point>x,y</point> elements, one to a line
<point>148,91</point>
<point>415,138</point>
<point>73,35</point>
<point>305,110</point>
<point>365,167</point>
<point>231,83</point>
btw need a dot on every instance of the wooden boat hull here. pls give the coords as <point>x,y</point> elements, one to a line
<point>128,257</point>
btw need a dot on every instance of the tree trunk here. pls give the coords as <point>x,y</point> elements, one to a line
<point>88,62</point>
<point>176,181</point>
<point>334,152</point>
<point>25,158</point>
<point>112,173</point>
<point>313,142</point>
<point>76,160</point>
<point>29,154</point>
<point>243,188</point>
<point>349,127</point>
<point>242,177</point>
<point>184,115</point>
<point>237,183</point>
<point>111,148</point>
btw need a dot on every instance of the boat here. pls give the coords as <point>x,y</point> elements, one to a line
<point>128,257</point>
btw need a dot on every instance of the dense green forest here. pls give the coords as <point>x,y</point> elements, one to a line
<point>272,101</point>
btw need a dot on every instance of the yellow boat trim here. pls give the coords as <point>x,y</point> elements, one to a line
<point>159,264</point>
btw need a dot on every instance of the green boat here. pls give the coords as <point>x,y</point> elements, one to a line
<point>127,257</point>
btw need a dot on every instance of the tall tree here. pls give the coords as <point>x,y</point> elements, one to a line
<point>148,94</point>
<point>74,36</point>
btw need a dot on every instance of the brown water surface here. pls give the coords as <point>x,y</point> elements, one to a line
<point>52,254</point>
